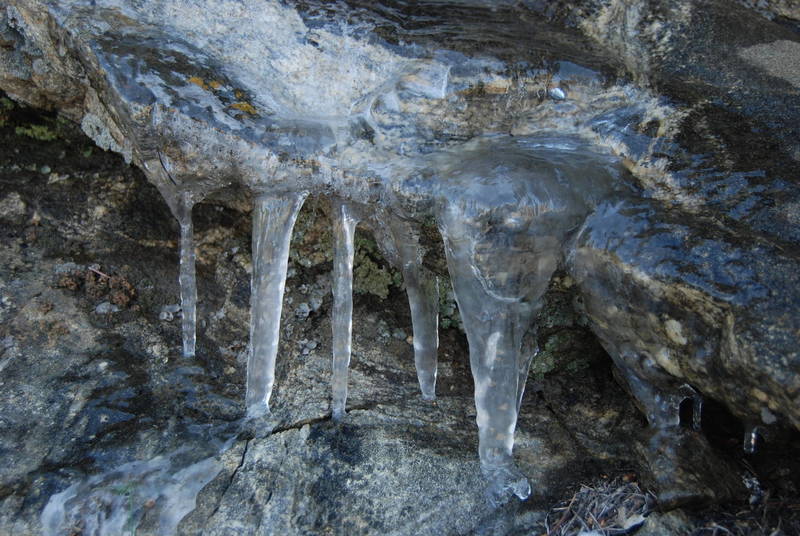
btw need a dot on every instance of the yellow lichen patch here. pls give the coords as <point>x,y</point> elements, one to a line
<point>244,107</point>
<point>497,87</point>
<point>215,84</point>
<point>675,332</point>
<point>238,93</point>
<point>196,80</point>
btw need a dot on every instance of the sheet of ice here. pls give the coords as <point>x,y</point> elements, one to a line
<point>114,502</point>
<point>344,226</point>
<point>273,221</point>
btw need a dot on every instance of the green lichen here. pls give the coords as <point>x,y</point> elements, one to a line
<point>37,132</point>
<point>312,240</point>
<point>6,105</point>
<point>371,273</point>
<point>312,246</point>
<point>449,316</point>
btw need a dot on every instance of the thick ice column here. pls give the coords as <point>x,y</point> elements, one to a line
<point>273,220</point>
<point>495,326</point>
<point>344,226</point>
<point>187,278</point>
<point>423,300</point>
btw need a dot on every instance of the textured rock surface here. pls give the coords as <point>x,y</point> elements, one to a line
<point>687,278</point>
<point>87,393</point>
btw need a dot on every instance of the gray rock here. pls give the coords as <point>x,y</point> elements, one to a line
<point>12,208</point>
<point>106,308</point>
<point>685,260</point>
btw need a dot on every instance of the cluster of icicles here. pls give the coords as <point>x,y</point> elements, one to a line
<point>273,221</point>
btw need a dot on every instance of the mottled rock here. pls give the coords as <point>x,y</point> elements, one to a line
<point>686,242</point>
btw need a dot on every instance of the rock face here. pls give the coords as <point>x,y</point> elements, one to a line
<point>514,139</point>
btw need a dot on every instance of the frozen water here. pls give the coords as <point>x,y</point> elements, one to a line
<point>114,502</point>
<point>273,221</point>
<point>344,227</point>
<point>423,299</point>
<point>187,279</point>
<point>752,434</point>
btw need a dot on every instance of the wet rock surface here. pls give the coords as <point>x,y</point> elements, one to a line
<point>90,394</point>
<point>679,241</point>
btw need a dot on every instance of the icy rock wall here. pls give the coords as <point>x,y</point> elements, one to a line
<point>518,147</point>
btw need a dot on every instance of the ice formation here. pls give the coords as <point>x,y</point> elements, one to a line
<point>114,502</point>
<point>505,203</point>
<point>344,228</point>
<point>423,300</point>
<point>273,220</point>
<point>517,163</point>
<point>187,279</point>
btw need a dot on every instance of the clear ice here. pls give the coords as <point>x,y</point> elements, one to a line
<point>505,208</point>
<point>273,221</point>
<point>344,228</point>
<point>402,133</point>
<point>423,299</point>
<point>187,279</point>
<point>114,502</point>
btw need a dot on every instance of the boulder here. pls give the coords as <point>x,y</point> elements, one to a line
<point>517,139</point>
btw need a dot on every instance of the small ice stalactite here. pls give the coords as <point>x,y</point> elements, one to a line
<point>187,278</point>
<point>423,299</point>
<point>344,226</point>
<point>752,435</point>
<point>689,393</point>
<point>697,413</point>
<point>273,221</point>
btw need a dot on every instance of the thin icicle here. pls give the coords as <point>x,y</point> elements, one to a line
<point>697,413</point>
<point>751,438</point>
<point>273,220</point>
<point>187,278</point>
<point>344,226</point>
<point>423,300</point>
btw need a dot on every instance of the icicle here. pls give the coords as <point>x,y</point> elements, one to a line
<point>751,435</point>
<point>697,413</point>
<point>691,393</point>
<point>495,324</point>
<point>423,300</point>
<point>187,279</point>
<point>344,226</point>
<point>273,220</point>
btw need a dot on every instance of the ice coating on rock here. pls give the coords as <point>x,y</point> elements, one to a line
<point>273,221</point>
<point>187,279</point>
<point>423,300</point>
<point>114,502</point>
<point>344,228</point>
<point>284,98</point>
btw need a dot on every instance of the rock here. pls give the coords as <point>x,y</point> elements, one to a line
<point>106,308</point>
<point>676,218</point>
<point>656,524</point>
<point>685,472</point>
<point>13,209</point>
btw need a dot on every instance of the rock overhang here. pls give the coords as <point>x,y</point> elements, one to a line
<point>419,128</point>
